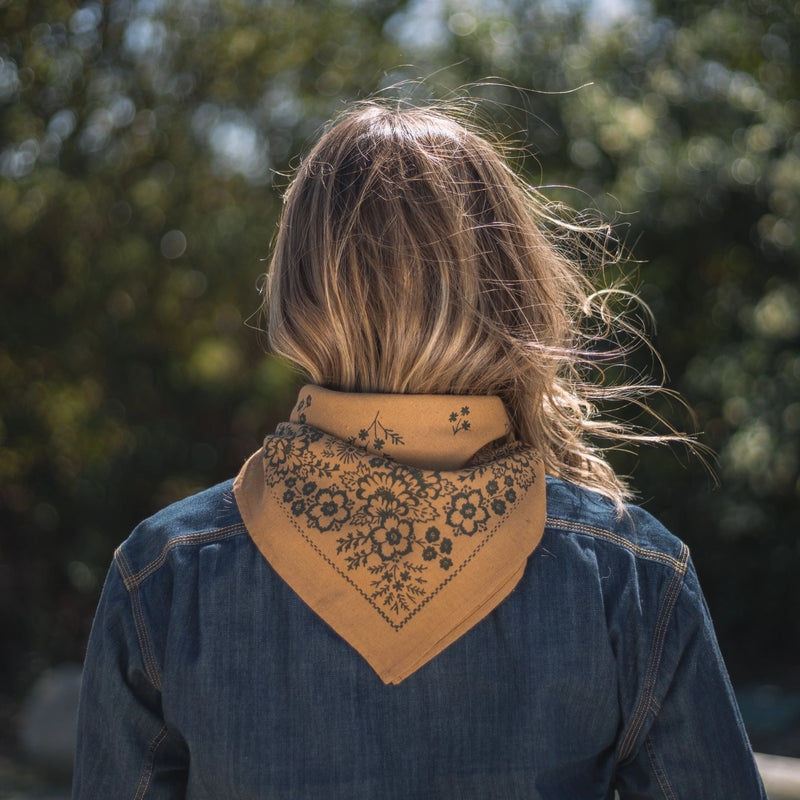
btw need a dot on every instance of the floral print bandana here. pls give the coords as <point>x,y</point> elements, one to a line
<point>401,520</point>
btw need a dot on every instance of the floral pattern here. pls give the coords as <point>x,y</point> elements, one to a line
<point>330,509</point>
<point>393,538</point>
<point>458,420</point>
<point>466,514</point>
<point>376,435</point>
<point>395,532</point>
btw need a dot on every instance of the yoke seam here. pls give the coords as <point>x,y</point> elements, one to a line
<point>679,564</point>
<point>134,579</point>
<point>133,582</point>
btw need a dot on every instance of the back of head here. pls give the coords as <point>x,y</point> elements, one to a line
<point>410,259</point>
<point>407,261</point>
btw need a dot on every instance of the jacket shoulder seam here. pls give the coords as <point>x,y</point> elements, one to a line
<point>132,580</point>
<point>679,563</point>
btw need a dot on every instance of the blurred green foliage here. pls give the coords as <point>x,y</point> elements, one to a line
<point>143,144</point>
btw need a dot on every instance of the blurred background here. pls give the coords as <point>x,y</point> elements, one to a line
<point>143,148</point>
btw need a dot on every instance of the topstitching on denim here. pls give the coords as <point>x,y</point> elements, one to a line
<point>659,771</point>
<point>156,579</point>
<point>202,537</point>
<point>142,634</point>
<point>150,762</point>
<point>133,583</point>
<point>642,552</point>
<point>679,567</point>
<point>656,651</point>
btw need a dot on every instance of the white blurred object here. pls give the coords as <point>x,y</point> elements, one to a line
<point>48,719</point>
<point>781,776</point>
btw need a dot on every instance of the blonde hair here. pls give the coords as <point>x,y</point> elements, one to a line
<point>410,258</point>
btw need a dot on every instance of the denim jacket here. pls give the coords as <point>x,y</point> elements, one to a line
<point>207,677</point>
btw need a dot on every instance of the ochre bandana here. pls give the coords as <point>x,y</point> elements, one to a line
<point>400,519</point>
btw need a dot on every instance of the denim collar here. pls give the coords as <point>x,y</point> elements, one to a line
<point>401,520</point>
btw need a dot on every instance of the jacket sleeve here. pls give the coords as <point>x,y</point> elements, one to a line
<point>124,748</point>
<point>687,740</point>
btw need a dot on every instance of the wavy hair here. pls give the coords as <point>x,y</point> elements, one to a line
<point>411,258</point>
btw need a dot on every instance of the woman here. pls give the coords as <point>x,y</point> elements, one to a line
<point>426,584</point>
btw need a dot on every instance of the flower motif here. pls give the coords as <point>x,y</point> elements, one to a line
<point>459,424</point>
<point>445,563</point>
<point>385,493</point>
<point>499,507</point>
<point>446,546</point>
<point>298,507</point>
<point>380,434</point>
<point>393,538</point>
<point>517,468</point>
<point>330,510</point>
<point>279,450</point>
<point>347,452</point>
<point>432,534</point>
<point>467,513</point>
<point>395,491</point>
<point>428,484</point>
<point>429,553</point>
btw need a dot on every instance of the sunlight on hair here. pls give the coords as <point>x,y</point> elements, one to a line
<point>411,258</point>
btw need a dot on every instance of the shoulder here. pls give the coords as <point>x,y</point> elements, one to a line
<point>577,513</point>
<point>202,519</point>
